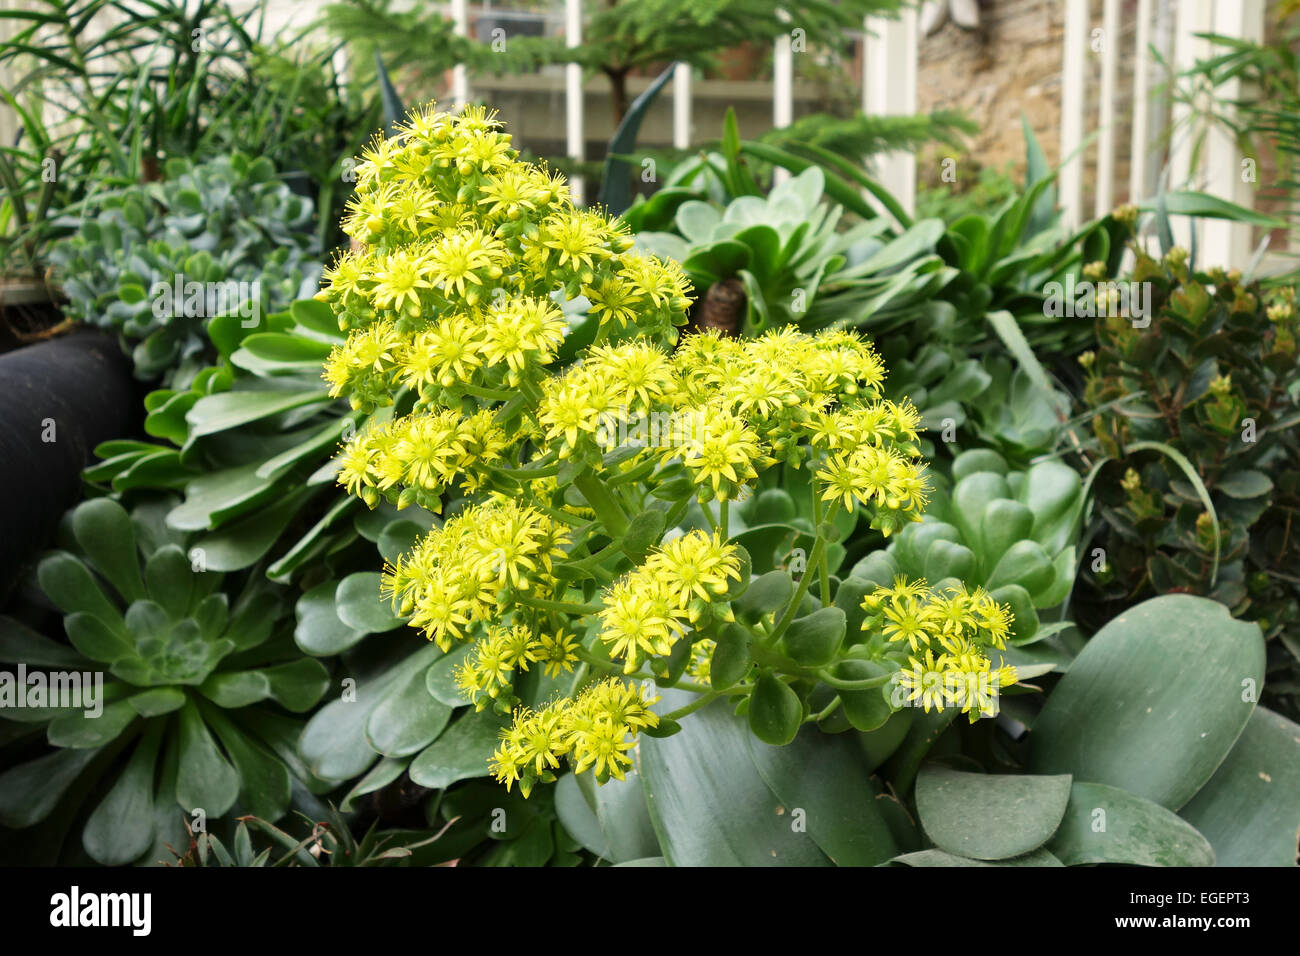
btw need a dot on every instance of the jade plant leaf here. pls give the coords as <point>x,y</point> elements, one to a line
<point>578,818</point>
<point>319,631</point>
<point>30,791</point>
<point>121,828</point>
<point>1039,857</point>
<point>360,606</point>
<point>206,779</point>
<point>462,751</point>
<point>18,642</point>
<point>171,713</point>
<point>624,816</point>
<point>408,718</point>
<point>103,530</point>
<point>823,784</point>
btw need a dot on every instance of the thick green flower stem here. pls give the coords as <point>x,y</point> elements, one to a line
<point>507,411</point>
<point>491,394</point>
<point>591,563</point>
<point>678,510</point>
<point>819,551</point>
<point>544,467</point>
<point>830,708</point>
<point>925,730</point>
<point>708,516</point>
<point>826,677</point>
<point>822,571</point>
<point>702,701</point>
<point>602,502</point>
<point>763,654</point>
<point>638,473</point>
<point>613,667</point>
<point>563,517</point>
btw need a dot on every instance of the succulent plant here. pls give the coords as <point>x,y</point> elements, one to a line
<point>795,266</point>
<point>156,261</point>
<point>199,689</point>
<point>247,445</point>
<point>1194,419</point>
<point>329,842</point>
<point>1012,532</point>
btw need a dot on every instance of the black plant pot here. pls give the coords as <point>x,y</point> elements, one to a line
<point>58,400</point>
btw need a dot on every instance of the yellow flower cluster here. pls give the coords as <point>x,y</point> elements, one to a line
<point>462,250</point>
<point>727,408</point>
<point>423,454</point>
<point>491,347</point>
<point>593,731</point>
<point>466,571</point>
<point>648,610</point>
<point>779,382</point>
<point>489,669</point>
<point>611,382</point>
<point>947,634</point>
<point>454,302</point>
<point>723,409</point>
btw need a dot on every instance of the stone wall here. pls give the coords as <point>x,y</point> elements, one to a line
<point>1009,67</point>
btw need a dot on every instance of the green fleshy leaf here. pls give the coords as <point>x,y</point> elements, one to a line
<point>1250,809</point>
<point>121,828</point>
<point>1155,701</point>
<point>989,816</point>
<point>462,751</point>
<point>205,779</point>
<point>1107,825</point>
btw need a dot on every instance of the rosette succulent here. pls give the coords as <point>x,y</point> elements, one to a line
<point>1012,532</point>
<point>199,689</point>
<point>157,261</point>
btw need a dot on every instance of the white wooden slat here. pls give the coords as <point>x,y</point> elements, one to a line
<point>889,88</point>
<point>783,83</point>
<point>8,118</point>
<point>782,91</point>
<point>1073,63</point>
<point>1226,243</point>
<point>1138,145</point>
<point>573,105</point>
<point>1104,199</point>
<point>1190,18</point>
<point>682,106</point>
<point>459,72</point>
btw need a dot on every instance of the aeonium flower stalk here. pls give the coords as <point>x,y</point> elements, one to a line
<point>587,491</point>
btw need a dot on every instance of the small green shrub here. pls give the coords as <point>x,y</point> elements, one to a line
<point>1195,416</point>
